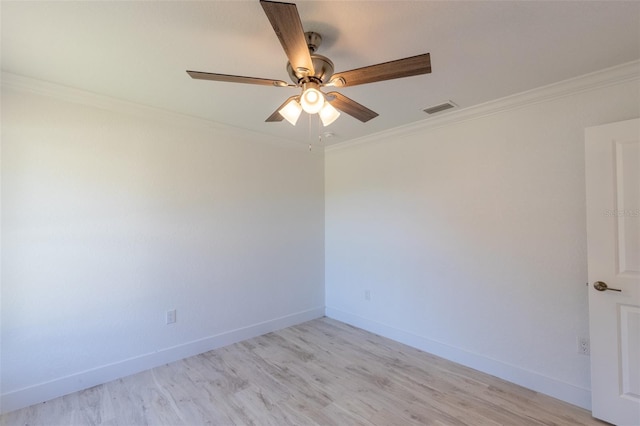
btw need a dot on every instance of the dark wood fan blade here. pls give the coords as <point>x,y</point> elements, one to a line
<point>276,114</point>
<point>414,65</point>
<point>286,23</point>
<point>351,107</point>
<point>236,79</point>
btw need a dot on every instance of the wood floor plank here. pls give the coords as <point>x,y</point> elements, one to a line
<point>322,372</point>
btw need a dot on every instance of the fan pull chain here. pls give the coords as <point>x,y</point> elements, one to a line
<point>318,127</point>
<point>309,127</point>
<point>319,132</point>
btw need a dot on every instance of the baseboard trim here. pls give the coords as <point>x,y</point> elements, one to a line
<point>41,392</point>
<point>549,386</point>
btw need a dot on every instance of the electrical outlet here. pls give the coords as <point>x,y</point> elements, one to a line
<point>171,316</point>
<point>584,347</point>
<point>367,295</point>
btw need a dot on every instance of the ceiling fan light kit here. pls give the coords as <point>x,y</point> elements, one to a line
<point>328,114</point>
<point>312,99</point>
<point>291,111</point>
<point>310,72</point>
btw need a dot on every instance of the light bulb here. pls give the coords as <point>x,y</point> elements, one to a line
<point>312,101</point>
<point>328,114</point>
<point>291,111</point>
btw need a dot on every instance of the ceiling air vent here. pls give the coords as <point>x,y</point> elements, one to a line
<point>441,107</point>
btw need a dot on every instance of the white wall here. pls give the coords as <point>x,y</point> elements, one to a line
<point>109,219</point>
<point>471,237</point>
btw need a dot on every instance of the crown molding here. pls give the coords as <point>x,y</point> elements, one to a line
<point>69,94</point>
<point>608,77</point>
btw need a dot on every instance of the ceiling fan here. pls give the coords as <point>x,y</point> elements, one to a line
<point>311,72</point>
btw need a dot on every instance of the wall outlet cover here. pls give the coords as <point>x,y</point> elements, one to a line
<point>171,316</point>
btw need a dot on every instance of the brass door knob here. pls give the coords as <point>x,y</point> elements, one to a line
<point>602,286</point>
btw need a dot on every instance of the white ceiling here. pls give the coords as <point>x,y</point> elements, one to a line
<point>480,51</point>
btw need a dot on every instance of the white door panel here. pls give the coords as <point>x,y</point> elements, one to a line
<point>612,155</point>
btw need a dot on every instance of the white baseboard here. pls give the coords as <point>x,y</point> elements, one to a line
<point>85,379</point>
<point>41,392</point>
<point>563,391</point>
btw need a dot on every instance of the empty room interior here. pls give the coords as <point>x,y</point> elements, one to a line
<point>328,212</point>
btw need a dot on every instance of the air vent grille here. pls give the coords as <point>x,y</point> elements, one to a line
<point>441,107</point>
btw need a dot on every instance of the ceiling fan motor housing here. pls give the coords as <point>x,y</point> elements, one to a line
<point>322,66</point>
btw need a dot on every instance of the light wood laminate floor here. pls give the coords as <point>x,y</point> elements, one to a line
<point>322,372</point>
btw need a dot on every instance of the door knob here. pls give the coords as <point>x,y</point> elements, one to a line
<point>602,286</point>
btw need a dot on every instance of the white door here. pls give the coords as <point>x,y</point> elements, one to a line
<point>612,156</point>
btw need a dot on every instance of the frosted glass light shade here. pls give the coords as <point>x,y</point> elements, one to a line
<point>328,114</point>
<point>291,111</point>
<point>312,101</point>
